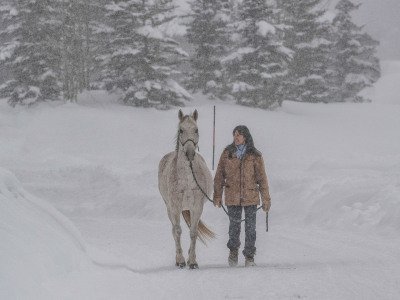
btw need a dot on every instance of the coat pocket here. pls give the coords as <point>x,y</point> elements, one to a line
<point>252,195</point>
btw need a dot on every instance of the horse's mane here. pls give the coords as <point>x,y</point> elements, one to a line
<point>176,139</point>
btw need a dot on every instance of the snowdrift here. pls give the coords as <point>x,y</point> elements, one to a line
<point>37,242</point>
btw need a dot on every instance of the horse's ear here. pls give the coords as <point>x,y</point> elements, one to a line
<point>180,115</point>
<point>195,114</point>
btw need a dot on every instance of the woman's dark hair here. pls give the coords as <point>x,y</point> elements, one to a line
<point>250,148</point>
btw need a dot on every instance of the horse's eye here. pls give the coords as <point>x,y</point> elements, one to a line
<point>180,131</point>
<point>196,131</point>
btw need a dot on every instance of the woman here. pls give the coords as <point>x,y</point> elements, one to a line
<point>241,176</point>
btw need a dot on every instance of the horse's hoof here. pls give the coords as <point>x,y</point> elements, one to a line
<point>193,266</point>
<point>181,265</point>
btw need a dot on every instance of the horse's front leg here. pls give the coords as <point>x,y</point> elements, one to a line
<point>194,222</point>
<point>176,232</point>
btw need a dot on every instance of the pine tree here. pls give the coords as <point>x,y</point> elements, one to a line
<point>368,54</point>
<point>356,65</point>
<point>101,34</point>
<point>33,56</point>
<point>140,61</point>
<point>260,60</point>
<point>76,46</point>
<point>8,43</point>
<point>208,34</point>
<point>309,38</point>
<point>117,52</point>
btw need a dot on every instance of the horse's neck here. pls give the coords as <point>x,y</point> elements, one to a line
<point>181,159</point>
<point>183,168</point>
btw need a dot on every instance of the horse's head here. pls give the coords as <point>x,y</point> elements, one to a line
<point>188,134</point>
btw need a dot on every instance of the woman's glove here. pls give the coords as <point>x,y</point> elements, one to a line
<point>266,205</point>
<point>217,202</point>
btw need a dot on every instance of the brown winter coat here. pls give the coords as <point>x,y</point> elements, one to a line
<point>242,181</point>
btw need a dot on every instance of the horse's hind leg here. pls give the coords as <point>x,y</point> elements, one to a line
<point>194,222</point>
<point>176,232</point>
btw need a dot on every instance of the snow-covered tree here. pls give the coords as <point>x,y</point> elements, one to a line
<point>8,43</point>
<point>309,37</point>
<point>207,33</point>
<point>356,65</point>
<point>259,61</point>
<point>368,54</point>
<point>118,45</point>
<point>46,49</point>
<point>32,54</point>
<point>140,61</point>
<point>76,46</point>
<point>101,33</point>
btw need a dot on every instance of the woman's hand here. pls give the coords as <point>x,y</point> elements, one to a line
<point>266,206</point>
<point>217,202</point>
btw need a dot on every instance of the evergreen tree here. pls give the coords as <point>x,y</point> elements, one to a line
<point>259,61</point>
<point>356,65</point>
<point>140,61</point>
<point>117,52</point>
<point>33,56</point>
<point>368,54</point>
<point>309,37</point>
<point>8,43</point>
<point>101,32</point>
<point>208,34</point>
<point>76,46</point>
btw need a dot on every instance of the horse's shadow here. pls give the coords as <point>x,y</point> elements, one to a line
<point>208,267</point>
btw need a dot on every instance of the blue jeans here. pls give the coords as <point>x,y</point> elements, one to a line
<point>235,215</point>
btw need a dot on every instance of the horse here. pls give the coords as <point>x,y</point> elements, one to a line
<point>184,181</point>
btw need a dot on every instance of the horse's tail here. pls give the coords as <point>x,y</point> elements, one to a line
<point>203,232</point>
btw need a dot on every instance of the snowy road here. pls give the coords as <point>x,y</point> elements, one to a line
<point>291,264</point>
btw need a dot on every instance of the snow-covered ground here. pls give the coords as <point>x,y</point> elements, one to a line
<point>81,216</point>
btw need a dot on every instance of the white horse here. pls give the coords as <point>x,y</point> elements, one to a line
<point>180,191</point>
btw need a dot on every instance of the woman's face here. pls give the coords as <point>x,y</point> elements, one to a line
<point>238,138</point>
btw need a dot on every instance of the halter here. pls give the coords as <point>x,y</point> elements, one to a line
<point>188,140</point>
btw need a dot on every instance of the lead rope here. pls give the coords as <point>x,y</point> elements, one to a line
<point>208,198</point>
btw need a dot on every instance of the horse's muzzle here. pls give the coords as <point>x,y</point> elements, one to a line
<point>190,153</point>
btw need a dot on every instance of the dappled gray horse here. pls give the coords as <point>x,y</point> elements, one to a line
<point>179,190</point>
